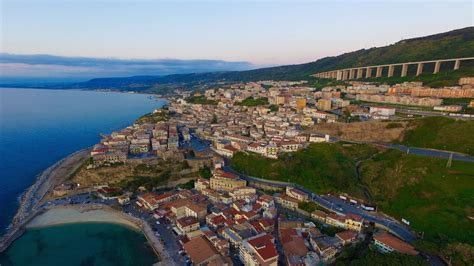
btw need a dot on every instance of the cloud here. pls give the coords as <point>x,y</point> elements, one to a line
<point>50,66</point>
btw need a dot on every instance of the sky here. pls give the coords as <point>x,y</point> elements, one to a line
<point>248,33</point>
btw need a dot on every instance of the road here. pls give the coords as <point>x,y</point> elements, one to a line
<point>338,206</point>
<point>411,150</point>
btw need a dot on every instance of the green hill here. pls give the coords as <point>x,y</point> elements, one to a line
<point>321,167</point>
<point>438,201</point>
<point>456,43</point>
<point>441,133</point>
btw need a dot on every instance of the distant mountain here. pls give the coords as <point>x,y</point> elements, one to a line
<point>452,44</point>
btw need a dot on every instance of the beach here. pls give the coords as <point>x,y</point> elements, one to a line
<point>77,214</point>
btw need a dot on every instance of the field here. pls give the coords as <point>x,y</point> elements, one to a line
<point>438,201</point>
<point>441,133</point>
<point>321,167</point>
<point>159,116</point>
<point>250,101</point>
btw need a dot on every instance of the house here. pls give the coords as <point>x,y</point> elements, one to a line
<point>187,224</point>
<point>326,247</point>
<point>293,245</point>
<point>353,222</point>
<point>387,243</point>
<point>382,111</point>
<point>287,202</point>
<point>202,252</point>
<point>242,193</point>
<point>296,194</point>
<point>259,250</point>
<point>224,181</point>
<point>347,237</point>
<point>151,200</point>
<point>201,184</point>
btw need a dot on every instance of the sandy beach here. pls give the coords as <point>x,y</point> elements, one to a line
<point>68,214</point>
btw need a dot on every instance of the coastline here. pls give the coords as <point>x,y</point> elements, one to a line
<point>31,199</point>
<point>97,213</point>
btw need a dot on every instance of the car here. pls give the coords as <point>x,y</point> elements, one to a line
<point>157,222</point>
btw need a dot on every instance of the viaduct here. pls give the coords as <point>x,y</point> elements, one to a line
<point>360,72</point>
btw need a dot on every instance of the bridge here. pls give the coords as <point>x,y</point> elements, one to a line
<point>367,71</point>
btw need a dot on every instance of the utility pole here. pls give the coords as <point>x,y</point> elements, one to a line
<point>450,161</point>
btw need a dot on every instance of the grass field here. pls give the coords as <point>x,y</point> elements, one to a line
<point>161,116</point>
<point>438,201</point>
<point>321,167</point>
<point>441,133</point>
<point>250,101</point>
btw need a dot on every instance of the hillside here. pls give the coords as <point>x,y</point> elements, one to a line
<point>440,133</point>
<point>456,43</point>
<point>438,201</point>
<point>322,167</point>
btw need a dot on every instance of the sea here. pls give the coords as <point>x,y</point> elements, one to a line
<point>80,244</point>
<point>39,127</point>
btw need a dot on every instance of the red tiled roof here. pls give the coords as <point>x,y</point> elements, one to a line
<point>187,221</point>
<point>395,243</point>
<point>264,246</point>
<point>199,250</point>
<point>346,235</point>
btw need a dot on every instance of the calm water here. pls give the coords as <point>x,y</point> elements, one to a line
<point>80,244</point>
<point>39,127</point>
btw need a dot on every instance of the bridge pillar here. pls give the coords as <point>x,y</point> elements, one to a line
<point>368,74</point>
<point>339,75</point>
<point>378,73</point>
<point>391,69</point>
<point>360,71</point>
<point>457,64</point>
<point>345,74</point>
<point>419,69</point>
<point>404,70</point>
<point>352,73</point>
<point>437,67</point>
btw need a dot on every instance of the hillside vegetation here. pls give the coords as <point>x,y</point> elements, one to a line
<point>457,43</point>
<point>321,167</point>
<point>441,133</point>
<point>438,201</point>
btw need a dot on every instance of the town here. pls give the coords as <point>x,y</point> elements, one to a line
<point>227,218</point>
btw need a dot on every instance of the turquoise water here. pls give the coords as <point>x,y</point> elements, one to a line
<point>39,127</point>
<point>80,244</point>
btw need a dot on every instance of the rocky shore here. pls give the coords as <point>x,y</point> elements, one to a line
<point>32,198</point>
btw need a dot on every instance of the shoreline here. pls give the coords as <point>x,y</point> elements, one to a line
<point>97,213</point>
<point>31,199</point>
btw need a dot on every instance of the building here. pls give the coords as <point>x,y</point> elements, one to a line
<point>353,222</point>
<point>294,246</point>
<point>224,181</point>
<point>151,200</point>
<point>382,111</point>
<point>347,237</point>
<point>448,108</point>
<point>186,208</point>
<point>201,184</point>
<point>187,224</point>
<point>300,103</point>
<point>324,104</point>
<point>202,252</point>
<point>387,243</point>
<point>259,250</point>
<point>296,194</point>
<point>286,201</point>
<point>242,193</point>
